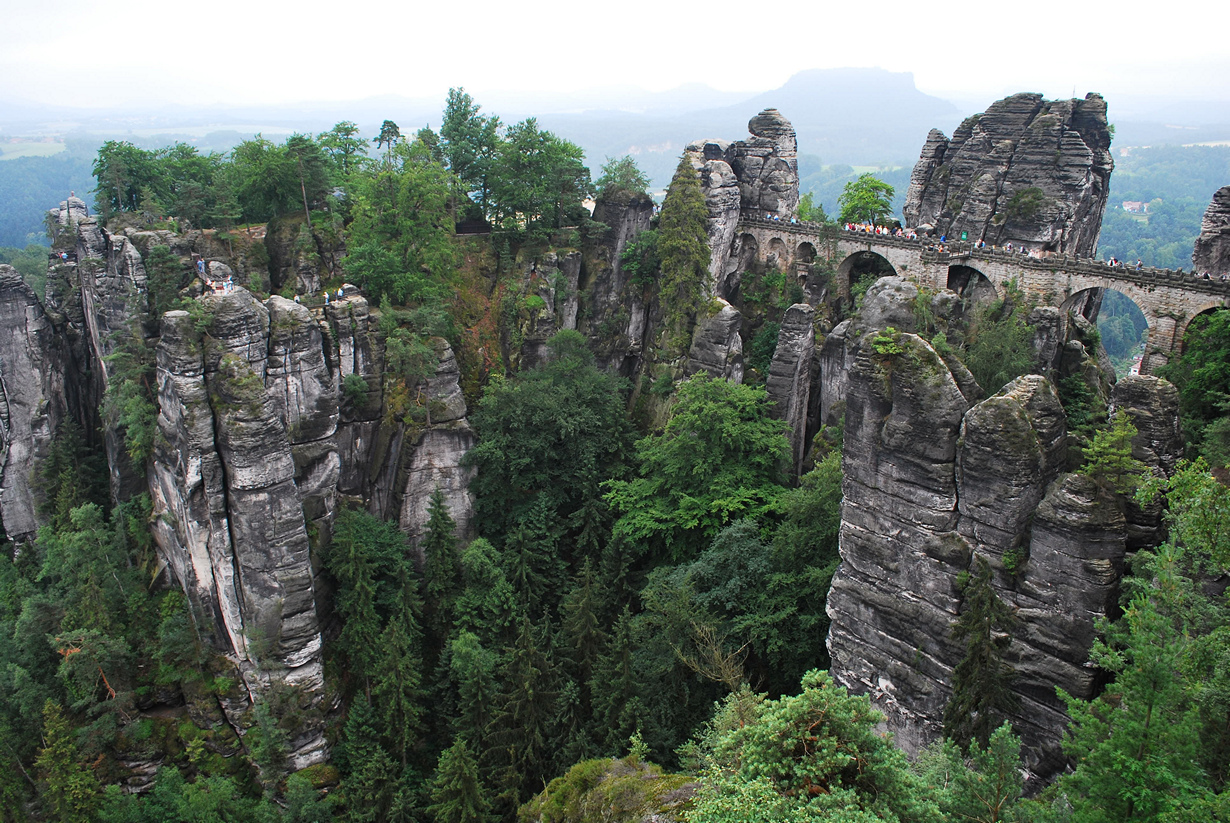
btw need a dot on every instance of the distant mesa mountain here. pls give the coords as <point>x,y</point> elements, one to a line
<point>853,116</point>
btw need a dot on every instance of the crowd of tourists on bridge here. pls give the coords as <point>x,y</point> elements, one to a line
<point>886,231</point>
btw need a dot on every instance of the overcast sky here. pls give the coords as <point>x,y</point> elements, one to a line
<point>80,53</point>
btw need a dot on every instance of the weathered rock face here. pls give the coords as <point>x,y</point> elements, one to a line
<point>552,304</point>
<point>72,210</point>
<point>756,177</point>
<point>789,380</point>
<point>232,519</point>
<point>1028,171</point>
<point>1212,252</point>
<point>32,400</point>
<point>893,597</point>
<point>716,345</point>
<point>930,481</point>
<point>722,199</point>
<point>614,303</point>
<point>767,167</point>
<point>889,302</point>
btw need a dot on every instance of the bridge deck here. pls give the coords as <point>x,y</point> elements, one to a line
<point>958,253</point>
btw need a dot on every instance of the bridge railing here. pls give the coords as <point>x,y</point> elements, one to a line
<point>1146,276</point>
<point>954,252</point>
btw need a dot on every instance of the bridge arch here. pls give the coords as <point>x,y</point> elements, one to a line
<point>1125,326</point>
<point>971,284</point>
<point>777,254</point>
<point>805,253</point>
<point>861,265</point>
<point>1181,327</point>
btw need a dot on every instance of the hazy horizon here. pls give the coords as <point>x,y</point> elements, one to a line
<point>81,54</point>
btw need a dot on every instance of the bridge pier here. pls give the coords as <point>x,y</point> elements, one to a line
<point>1169,299</point>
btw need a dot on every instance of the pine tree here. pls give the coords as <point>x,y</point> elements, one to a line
<point>982,696</point>
<point>532,557</point>
<point>1109,460</point>
<point>683,245</point>
<point>68,790</point>
<point>519,733</point>
<point>397,681</point>
<point>613,689</point>
<point>472,671</point>
<point>456,793</point>
<point>441,569</point>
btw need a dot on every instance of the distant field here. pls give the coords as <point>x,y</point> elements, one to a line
<point>11,151</point>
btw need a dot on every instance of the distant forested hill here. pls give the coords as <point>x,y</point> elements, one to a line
<point>29,186</point>
<point>1177,183</point>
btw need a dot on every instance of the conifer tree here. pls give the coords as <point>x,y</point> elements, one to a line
<point>683,245</point>
<point>472,670</point>
<point>518,741</point>
<point>456,793</point>
<point>487,602</point>
<point>532,557</point>
<point>68,790</point>
<point>397,686</point>
<point>369,783</point>
<point>441,569</point>
<point>356,600</point>
<point>582,636</point>
<point>1109,460</point>
<point>982,696</point>
<point>613,689</point>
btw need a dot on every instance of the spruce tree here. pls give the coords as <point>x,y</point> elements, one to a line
<point>518,741</point>
<point>68,790</point>
<point>356,599</point>
<point>397,682</point>
<point>582,637</point>
<point>1109,460</point>
<point>613,690</point>
<point>683,244</point>
<point>982,696</point>
<point>472,671</point>
<point>441,570</point>
<point>456,793</point>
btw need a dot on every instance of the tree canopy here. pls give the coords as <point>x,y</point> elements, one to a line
<point>866,200</point>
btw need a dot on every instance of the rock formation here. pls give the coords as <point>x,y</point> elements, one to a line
<point>614,302</point>
<point>790,377</point>
<point>1029,171</point>
<point>256,440</point>
<point>932,479</point>
<point>32,400</point>
<point>716,345</point>
<point>756,177</point>
<point>1212,252</point>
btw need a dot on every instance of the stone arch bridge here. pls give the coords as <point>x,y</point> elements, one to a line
<point>1170,300</point>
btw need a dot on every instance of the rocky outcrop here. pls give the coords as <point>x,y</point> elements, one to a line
<point>716,345</point>
<point>756,177</point>
<point>72,210</point>
<point>893,598</point>
<point>231,516</point>
<point>767,167</point>
<point>789,380</point>
<point>619,317</point>
<point>889,302</point>
<point>1212,251</point>
<point>931,481</point>
<point>551,304</point>
<point>1029,171</point>
<point>32,401</point>
<point>723,196</point>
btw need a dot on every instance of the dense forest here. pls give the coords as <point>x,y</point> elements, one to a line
<point>638,626</point>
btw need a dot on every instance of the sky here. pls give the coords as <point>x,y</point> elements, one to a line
<point>252,52</point>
